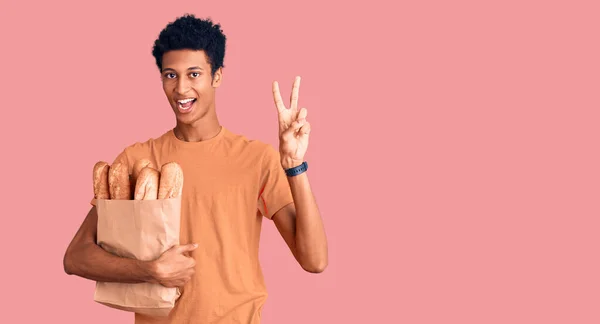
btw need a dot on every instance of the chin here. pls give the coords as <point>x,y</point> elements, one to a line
<point>186,119</point>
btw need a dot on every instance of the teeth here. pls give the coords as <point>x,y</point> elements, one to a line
<point>185,100</point>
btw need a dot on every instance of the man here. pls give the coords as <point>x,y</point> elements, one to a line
<point>230,184</point>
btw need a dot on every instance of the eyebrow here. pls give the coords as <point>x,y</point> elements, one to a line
<point>189,69</point>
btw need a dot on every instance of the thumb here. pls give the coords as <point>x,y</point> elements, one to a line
<point>187,248</point>
<point>293,129</point>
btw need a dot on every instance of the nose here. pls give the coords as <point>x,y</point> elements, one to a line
<point>182,86</point>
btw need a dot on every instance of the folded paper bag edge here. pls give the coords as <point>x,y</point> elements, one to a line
<point>151,311</point>
<point>106,291</point>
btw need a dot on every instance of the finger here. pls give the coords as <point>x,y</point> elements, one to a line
<point>302,114</point>
<point>277,97</point>
<point>295,94</point>
<point>293,129</point>
<point>170,283</point>
<point>191,263</point>
<point>305,129</point>
<point>187,248</point>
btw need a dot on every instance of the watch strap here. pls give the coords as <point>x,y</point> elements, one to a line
<point>292,172</point>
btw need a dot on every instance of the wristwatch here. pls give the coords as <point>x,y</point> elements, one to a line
<point>291,172</point>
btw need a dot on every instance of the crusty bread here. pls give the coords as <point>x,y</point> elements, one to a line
<point>171,181</point>
<point>118,182</point>
<point>100,177</point>
<point>146,186</point>
<point>138,166</point>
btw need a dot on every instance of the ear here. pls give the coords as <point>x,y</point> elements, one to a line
<point>217,78</point>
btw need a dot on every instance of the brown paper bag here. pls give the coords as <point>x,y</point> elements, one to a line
<point>143,230</point>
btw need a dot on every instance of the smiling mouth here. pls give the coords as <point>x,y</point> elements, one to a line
<point>185,104</point>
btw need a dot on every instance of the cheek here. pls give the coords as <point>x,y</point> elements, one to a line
<point>203,89</point>
<point>167,90</point>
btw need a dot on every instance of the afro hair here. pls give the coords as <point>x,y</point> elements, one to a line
<point>189,32</point>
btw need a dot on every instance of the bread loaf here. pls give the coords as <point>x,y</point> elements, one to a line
<point>146,186</point>
<point>171,181</point>
<point>138,166</point>
<point>118,182</point>
<point>100,177</point>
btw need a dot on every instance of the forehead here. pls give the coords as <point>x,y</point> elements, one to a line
<point>183,59</point>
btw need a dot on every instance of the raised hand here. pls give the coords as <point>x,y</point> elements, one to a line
<point>293,127</point>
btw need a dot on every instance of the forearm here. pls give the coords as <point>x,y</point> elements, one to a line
<point>92,262</point>
<point>310,238</point>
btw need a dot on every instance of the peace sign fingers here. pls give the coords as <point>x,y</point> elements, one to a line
<point>277,97</point>
<point>295,94</point>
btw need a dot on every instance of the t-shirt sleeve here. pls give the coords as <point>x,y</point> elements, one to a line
<point>275,189</point>
<point>122,158</point>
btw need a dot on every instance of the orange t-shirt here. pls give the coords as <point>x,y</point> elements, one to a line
<point>230,183</point>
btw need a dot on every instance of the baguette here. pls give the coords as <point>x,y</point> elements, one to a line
<point>171,181</point>
<point>138,166</point>
<point>100,177</point>
<point>146,186</point>
<point>118,182</point>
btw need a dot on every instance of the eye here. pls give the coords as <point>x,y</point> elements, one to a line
<point>170,75</point>
<point>195,74</point>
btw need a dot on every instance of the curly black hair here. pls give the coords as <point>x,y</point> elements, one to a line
<point>189,32</point>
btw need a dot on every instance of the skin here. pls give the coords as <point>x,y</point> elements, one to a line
<point>187,74</point>
<point>86,259</point>
<point>299,223</point>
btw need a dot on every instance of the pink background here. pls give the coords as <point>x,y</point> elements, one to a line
<point>454,151</point>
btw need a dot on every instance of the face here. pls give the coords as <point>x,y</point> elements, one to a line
<point>189,85</point>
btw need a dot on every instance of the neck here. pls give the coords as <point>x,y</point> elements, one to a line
<point>201,130</point>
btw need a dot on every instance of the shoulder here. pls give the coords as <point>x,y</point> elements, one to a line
<point>139,149</point>
<point>250,145</point>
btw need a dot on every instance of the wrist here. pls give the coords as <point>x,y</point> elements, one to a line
<point>297,170</point>
<point>149,271</point>
<point>288,163</point>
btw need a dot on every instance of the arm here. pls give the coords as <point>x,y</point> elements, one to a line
<point>86,259</point>
<point>300,222</point>
<point>301,226</point>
